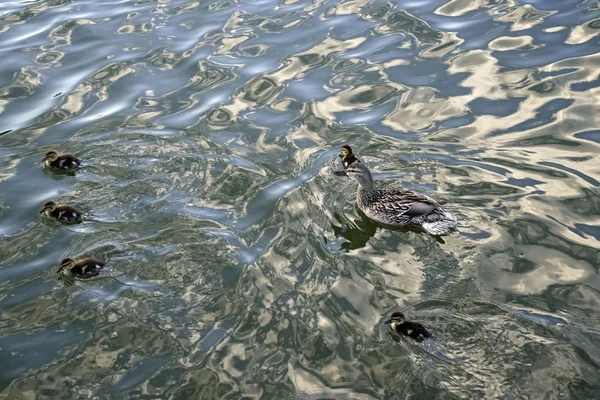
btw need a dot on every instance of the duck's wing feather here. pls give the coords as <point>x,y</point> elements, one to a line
<point>407,203</point>
<point>419,208</point>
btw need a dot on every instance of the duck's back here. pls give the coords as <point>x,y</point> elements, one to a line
<point>65,162</point>
<point>67,213</point>
<point>401,207</point>
<point>397,205</point>
<point>414,330</point>
<point>88,267</point>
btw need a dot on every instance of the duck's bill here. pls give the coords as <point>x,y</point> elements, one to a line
<point>389,321</point>
<point>41,211</point>
<point>340,173</point>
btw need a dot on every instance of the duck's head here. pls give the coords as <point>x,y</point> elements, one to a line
<point>51,156</point>
<point>396,318</point>
<point>360,173</point>
<point>48,206</point>
<point>65,265</point>
<point>346,150</point>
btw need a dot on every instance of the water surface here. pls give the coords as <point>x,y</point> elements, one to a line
<point>239,264</point>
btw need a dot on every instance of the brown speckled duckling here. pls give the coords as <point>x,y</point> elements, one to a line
<point>410,329</point>
<point>61,212</point>
<point>61,162</point>
<point>84,268</point>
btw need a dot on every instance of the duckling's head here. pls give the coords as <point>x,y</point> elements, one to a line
<point>51,156</point>
<point>346,150</point>
<point>360,173</point>
<point>396,318</point>
<point>65,264</point>
<point>48,206</point>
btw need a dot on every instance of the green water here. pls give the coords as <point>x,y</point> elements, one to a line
<point>238,264</point>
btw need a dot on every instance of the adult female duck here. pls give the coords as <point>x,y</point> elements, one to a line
<point>398,207</point>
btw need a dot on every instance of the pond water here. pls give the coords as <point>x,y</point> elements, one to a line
<point>238,265</point>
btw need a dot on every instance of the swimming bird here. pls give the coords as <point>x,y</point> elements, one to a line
<point>61,212</point>
<point>347,156</point>
<point>413,330</point>
<point>398,207</point>
<point>84,268</point>
<point>63,162</point>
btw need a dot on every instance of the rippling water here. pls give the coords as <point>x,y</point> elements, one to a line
<point>239,265</point>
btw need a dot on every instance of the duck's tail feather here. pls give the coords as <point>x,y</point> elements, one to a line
<point>443,225</point>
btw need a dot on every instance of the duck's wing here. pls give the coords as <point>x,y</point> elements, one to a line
<point>417,331</point>
<point>68,212</point>
<point>88,267</point>
<point>407,203</point>
<point>78,269</point>
<point>67,161</point>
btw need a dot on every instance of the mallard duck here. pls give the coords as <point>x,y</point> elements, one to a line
<point>61,212</point>
<point>398,207</point>
<point>83,269</point>
<point>63,162</point>
<point>413,330</point>
<point>347,156</point>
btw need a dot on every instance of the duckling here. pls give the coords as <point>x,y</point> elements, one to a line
<point>61,212</point>
<point>64,162</point>
<point>347,156</point>
<point>413,330</point>
<point>398,207</point>
<point>83,269</point>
